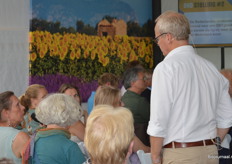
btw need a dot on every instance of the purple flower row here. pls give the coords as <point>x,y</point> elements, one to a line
<point>53,81</point>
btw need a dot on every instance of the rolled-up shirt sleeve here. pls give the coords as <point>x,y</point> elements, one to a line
<point>161,101</point>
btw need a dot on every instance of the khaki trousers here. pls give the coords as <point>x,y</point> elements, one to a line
<point>191,155</point>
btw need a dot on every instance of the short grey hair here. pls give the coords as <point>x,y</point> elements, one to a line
<point>131,75</point>
<point>60,109</point>
<point>174,23</point>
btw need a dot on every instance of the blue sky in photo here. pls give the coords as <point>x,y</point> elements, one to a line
<point>91,11</point>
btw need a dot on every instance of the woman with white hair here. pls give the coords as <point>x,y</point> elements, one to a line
<point>77,130</point>
<point>52,145</point>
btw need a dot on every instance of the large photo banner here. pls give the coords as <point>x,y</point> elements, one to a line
<point>210,20</point>
<point>76,41</point>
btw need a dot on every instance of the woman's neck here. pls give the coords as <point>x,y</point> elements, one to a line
<point>55,126</point>
<point>92,162</point>
<point>7,124</point>
<point>3,124</point>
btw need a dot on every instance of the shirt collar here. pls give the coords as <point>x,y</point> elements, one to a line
<point>180,50</point>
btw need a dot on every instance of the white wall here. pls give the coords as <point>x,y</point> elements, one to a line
<point>14,27</point>
<point>211,54</point>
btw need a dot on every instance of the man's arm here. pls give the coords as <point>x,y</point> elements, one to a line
<point>156,148</point>
<point>222,132</point>
<point>138,145</point>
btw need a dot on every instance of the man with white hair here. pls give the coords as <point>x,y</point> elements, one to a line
<point>190,104</point>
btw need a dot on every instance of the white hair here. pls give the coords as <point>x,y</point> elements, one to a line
<point>59,109</point>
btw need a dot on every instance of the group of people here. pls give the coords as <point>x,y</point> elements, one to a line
<point>180,112</point>
<point>45,122</point>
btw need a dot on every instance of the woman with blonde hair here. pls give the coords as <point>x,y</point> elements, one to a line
<point>115,146</point>
<point>30,100</point>
<point>107,95</point>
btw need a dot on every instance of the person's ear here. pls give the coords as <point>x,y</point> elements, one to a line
<point>132,83</point>
<point>33,103</point>
<point>4,114</point>
<point>169,38</point>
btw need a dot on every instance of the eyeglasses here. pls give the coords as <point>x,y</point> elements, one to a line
<point>144,78</point>
<point>156,40</point>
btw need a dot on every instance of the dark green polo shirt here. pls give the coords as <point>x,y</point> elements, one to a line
<point>138,105</point>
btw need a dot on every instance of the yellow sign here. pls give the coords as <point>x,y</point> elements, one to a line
<point>206,5</point>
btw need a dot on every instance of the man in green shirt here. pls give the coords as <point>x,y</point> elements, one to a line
<point>134,82</point>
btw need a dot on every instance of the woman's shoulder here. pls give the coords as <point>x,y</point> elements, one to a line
<point>23,136</point>
<point>9,131</point>
<point>75,153</point>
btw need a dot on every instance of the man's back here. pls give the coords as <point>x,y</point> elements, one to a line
<point>193,91</point>
<point>190,103</point>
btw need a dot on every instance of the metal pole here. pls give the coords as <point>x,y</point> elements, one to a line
<point>222,57</point>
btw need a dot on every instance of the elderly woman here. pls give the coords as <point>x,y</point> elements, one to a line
<point>115,146</point>
<point>52,145</point>
<point>12,140</point>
